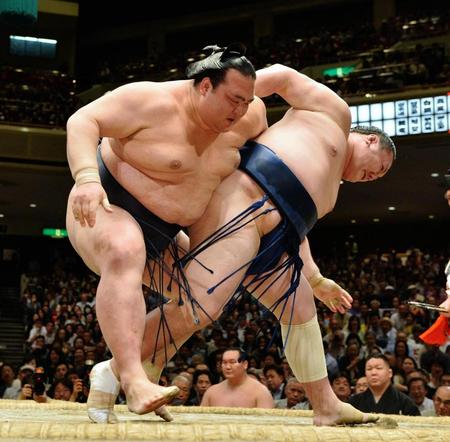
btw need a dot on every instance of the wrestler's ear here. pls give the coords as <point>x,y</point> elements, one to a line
<point>372,138</point>
<point>205,86</point>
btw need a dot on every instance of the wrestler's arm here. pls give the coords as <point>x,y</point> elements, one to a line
<point>206,399</point>
<point>264,399</point>
<point>324,289</point>
<point>302,92</point>
<point>117,114</point>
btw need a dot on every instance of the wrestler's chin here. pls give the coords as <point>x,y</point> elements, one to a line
<point>229,124</point>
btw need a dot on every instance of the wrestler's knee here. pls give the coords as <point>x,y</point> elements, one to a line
<point>124,249</point>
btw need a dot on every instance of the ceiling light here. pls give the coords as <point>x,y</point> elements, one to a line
<point>353,221</point>
<point>2,215</point>
<point>434,174</point>
<point>376,220</point>
<point>33,205</point>
<point>391,208</point>
<point>430,216</point>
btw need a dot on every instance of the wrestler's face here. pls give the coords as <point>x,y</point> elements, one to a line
<point>221,107</point>
<point>232,368</point>
<point>369,161</point>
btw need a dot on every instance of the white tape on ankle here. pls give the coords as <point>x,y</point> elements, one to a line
<point>103,393</point>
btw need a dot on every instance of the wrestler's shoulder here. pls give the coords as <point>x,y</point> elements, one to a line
<point>164,87</point>
<point>153,93</point>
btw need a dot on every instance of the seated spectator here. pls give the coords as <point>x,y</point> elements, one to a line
<point>201,382</point>
<point>352,363</point>
<point>275,381</point>
<point>184,384</point>
<point>295,396</point>
<point>9,385</point>
<point>37,330</point>
<point>386,340</point>
<point>63,390</point>
<point>341,386</point>
<point>238,389</point>
<point>417,388</point>
<point>361,385</point>
<point>381,396</point>
<point>371,345</point>
<point>441,402</point>
<point>445,380</point>
<point>332,365</point>
<point>408,365</point>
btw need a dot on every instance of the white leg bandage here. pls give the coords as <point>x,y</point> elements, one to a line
<point>103,393</point>
<point>304,350</point>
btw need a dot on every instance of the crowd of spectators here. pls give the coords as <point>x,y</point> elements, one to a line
<point>36,97</point>
<point>381,59</point>
<point>64,339</point>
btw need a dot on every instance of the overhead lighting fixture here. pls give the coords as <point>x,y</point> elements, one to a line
<point>2,215</point>
<point>391,208</point>
<point>376,220</point>
<point>430,216</point>
<point>353,221</point>
<point>33,205</point>
<point>434,175</point>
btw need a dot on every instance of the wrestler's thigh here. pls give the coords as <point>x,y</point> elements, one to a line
<point>115,232</point>
<point>301,304</point>
<point>157,275</point>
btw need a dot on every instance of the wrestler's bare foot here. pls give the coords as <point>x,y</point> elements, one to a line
<point>164,413</point>
<point>149,369</point>
<point>343,414</point>
<point>143,396</point>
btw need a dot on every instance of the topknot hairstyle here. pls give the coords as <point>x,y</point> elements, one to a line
<point>219,61</point>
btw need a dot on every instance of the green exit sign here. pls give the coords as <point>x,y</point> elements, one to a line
<point>55,233</point>
<point>340,71</point>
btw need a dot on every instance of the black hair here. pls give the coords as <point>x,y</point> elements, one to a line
<point>198,373</point>
<point>341,374</point>
<point>218,62</point>
<point>379,356</point>
<point>243,356</point>
<point>277,368</point>
<point>385,140</point>
<point>415,379</point>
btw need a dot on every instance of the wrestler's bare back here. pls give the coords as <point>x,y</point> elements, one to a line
<point>173,165</point>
